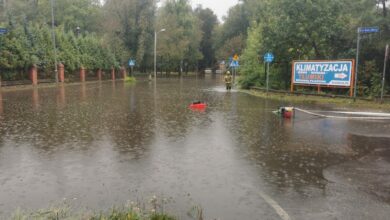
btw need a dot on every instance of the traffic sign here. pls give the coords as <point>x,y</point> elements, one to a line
<point>328,73</point>
<point>235,57</point>
<point>367,30</point>
<point>3,31</point>
<point>268,57</point>
<point>131,63</point>
<point>234,63</point>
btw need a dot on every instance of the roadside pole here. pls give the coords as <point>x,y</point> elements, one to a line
<point>53,35</point>
<point>357,65</point>
<point>360,31</point>
<point>234,74</point>
<point>268,58</point>
<point>384,71</point>
<point>267,76</point>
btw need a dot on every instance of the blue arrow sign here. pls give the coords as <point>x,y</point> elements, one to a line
<point>268,57</point>
<point>367,30</point>
<point>3,31</point>
<point>131,63</point>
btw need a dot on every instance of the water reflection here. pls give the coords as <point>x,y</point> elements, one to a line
<point>1,102</point>
<point>61,96</point>
<point>106,142</point>
<point>83,93</point>
<point>35,98</point>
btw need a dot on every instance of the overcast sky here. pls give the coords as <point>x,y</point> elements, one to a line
<point>220,7</point>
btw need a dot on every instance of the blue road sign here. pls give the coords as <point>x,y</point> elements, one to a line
<point>329,73</point>
<point>3,31</point>
<point>131,63</point>
<point>234,64</point>
<point>367,30</point>
<point>268,57</point>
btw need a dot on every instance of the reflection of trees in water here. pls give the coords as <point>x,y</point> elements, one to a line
<point>2,131</point>
<point>128,119</point>
<point>174,118</point>
<point>74,123</point>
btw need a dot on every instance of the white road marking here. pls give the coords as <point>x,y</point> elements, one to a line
<point>278,209</point>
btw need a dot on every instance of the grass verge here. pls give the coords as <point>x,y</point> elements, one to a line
<point>293,99</point>
<point>130,79</point>
<point>65,212</point>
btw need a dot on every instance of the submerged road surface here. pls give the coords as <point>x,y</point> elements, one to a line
<point>97,145</point>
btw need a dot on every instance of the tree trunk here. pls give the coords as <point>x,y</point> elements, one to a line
<point>317,52</point>
<point>384,8</point>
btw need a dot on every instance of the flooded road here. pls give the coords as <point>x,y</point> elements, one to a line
<point>97,145</point>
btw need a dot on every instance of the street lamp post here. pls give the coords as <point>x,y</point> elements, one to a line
<point>78,31</point>
<point>357,65</point>
<point>54,41</point>
<point>155,52</point>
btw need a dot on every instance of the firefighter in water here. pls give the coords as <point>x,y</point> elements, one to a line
<point>228,80</point>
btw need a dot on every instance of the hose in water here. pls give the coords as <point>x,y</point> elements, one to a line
<point>342,117</point>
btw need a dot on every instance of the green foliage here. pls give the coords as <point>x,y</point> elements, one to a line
<point>300,30</point>
<point>250,62</point>
<point>130,79</point>
<point>32,44</point>
<point>29,40</point>
<point>179,45</point>
<point>129,27</point>
<point>371,80</point>
<point>209,22</point>
<point>231,36</point>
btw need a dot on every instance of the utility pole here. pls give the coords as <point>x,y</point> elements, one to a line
<point>384,71</point>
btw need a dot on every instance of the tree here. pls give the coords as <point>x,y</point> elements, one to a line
<point>234,29</point>
<point>132,23</point>
<point>208,23</point>
<point>181,42</point>
<point>250,63</point>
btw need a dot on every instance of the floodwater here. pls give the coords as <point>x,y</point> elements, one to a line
<point>97,145</point>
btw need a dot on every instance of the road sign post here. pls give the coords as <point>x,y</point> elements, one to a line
<point>268,58</point>
<point>361,30</point>
<point>131,65</point>
<point>384,71</point>
<point>234,65</point>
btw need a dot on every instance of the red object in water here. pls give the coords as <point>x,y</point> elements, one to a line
<point>287,114</point>
<point>198,105</point>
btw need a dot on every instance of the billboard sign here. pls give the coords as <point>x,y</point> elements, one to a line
<point>336,73</point>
